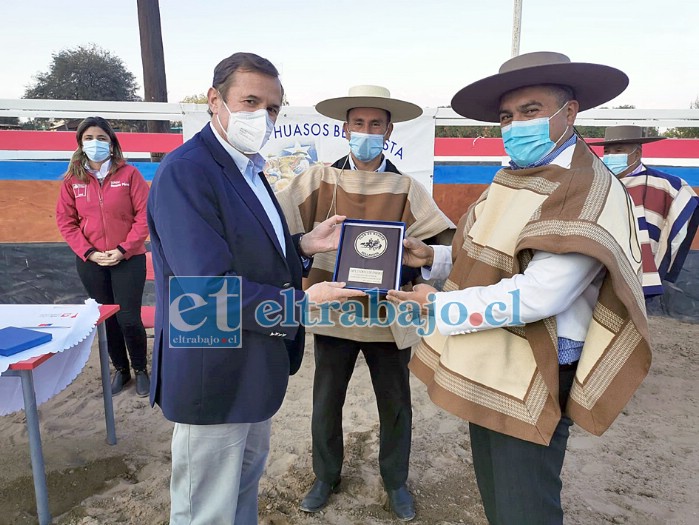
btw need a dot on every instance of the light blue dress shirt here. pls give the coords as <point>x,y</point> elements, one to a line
<point>251,168</point>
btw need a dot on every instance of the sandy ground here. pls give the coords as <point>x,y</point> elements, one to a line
<point>642,471</point>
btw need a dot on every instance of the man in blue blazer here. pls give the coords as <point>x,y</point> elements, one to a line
<point>212,213</point>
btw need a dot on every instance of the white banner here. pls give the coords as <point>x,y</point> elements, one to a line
<point>303,137</point>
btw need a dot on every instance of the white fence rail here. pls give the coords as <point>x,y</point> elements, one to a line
<point>663,118</point>
<point>58,109</point>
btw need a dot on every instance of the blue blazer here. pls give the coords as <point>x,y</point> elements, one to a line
<point>205,220</point>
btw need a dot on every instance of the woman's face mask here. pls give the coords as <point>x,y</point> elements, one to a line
<point>96,150</point>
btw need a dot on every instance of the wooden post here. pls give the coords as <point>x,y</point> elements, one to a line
<point>152,57</point>
<point>516,27</point>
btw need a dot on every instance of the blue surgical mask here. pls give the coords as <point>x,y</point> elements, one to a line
<point>96,150</point>
<point>616,162</point>
<point>365,146</point>
<point>529,141</point>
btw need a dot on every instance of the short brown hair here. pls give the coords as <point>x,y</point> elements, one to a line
<point>562,93</point>
<point>223,73</point>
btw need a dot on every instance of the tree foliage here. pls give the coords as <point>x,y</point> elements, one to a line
<point>468,131</point>
<point>84,73</point>
<point>199,98</point>
<point>685,133</point>
<point>585,131</point>
<point>597,132</point>
<point>9,123</point>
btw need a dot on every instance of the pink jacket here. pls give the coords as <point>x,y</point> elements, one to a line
<point>90,216</point>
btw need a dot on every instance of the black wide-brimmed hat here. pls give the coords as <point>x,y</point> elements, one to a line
<point>592,84</point>
<point>624,135</point>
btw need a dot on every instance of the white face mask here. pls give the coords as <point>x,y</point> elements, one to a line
<point>248,131</point>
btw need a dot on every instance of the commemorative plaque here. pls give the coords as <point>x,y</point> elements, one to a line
<point>370,254</point>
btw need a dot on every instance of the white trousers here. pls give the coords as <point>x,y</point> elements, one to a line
<point>216,470</point>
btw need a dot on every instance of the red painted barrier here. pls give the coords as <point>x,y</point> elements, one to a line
<point>443,147</point>
<point>467,147</point>
<point>65,141</point>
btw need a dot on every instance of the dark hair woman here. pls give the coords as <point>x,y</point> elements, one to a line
<point>101,213</point>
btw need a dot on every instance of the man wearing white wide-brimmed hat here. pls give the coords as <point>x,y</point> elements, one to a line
<point>362,185</point>
<point>667,207</point>
<point>542,321</point>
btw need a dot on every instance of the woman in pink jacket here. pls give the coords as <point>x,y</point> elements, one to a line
<point>101,214</point>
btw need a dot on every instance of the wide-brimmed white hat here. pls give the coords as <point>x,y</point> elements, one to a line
<point>367,96</point>
<point>592,84</point>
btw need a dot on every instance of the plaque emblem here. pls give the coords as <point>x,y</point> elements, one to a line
<point>371,244</point>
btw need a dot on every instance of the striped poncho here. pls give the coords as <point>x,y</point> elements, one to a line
<point>668,215</point>
<point>506,379</point>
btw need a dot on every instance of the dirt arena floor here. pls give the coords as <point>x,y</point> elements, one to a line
<point>643,471</point>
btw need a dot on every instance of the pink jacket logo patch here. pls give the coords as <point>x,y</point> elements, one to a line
<point>80,190</point>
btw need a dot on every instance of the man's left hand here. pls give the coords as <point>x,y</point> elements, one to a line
<point>420,294</point>
<point>323,238</point>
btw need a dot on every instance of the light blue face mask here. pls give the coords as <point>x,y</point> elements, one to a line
<point>528,141</point>
<point>617,162</point>
<point>96,150</point>
<point>366,146</point>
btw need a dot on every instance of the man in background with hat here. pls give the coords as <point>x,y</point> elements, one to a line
<point>362,185</point>
<point>531,336</point>
<point>666,206</point>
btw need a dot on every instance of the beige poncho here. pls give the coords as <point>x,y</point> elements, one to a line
<point>506,379</point>
<point>322,191</point>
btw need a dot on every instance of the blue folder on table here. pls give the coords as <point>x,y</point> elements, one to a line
<point>14,340</point>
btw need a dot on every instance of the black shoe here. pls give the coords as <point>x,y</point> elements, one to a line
<point>401,503</point>
<point>318,496</point>
<point>142,383</point>
<point>121,378</point>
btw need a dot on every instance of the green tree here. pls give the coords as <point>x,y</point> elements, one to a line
<point>685,133</point>
<point>199,98</point>
<point>597,132</point>
<point>9,123</point>
<point>84,73</point>
<point>468,131</point>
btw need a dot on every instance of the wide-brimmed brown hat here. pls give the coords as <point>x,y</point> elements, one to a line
<point>592,84</point>
<point>625,135</point>
<point>368,97</point>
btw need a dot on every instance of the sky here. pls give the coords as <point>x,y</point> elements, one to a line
<point>423,51</point>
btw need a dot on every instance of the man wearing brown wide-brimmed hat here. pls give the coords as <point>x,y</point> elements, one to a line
<point>667,207</point>
<point>542,321</point>
<point>362,185</point>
